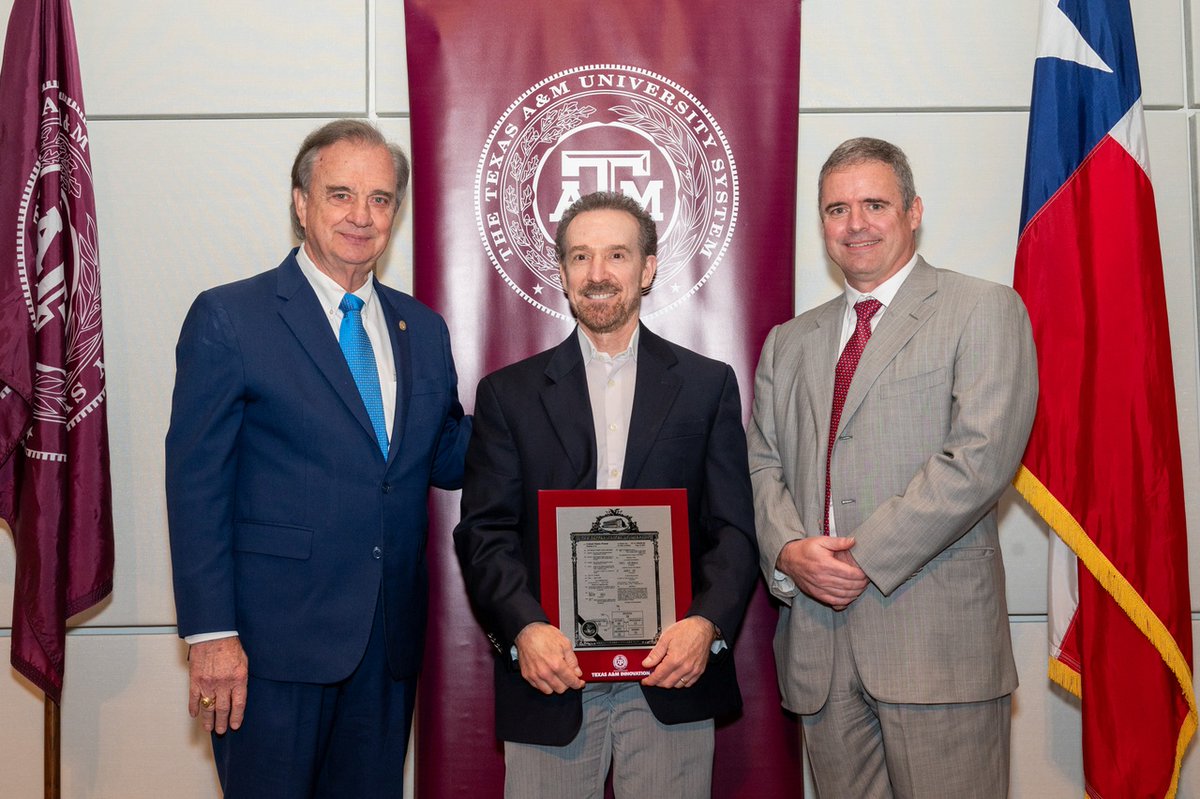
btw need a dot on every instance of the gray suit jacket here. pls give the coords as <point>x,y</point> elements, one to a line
<point>934,425</point>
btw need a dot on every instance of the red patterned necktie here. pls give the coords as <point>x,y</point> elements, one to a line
<point>846,365</point>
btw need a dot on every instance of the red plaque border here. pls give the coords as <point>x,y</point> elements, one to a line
<point>600,665</point>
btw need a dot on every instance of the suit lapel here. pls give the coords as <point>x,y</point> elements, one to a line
<point>654,393</point>
<point>904,317</point>
<point>402,358</point>
<point>302,312</point>
<point>569,410</point>
<point>820,354</point>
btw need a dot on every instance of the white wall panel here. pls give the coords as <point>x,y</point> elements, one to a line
<point>1024,540</point>
<point>1192,46</point>
<point>1159,26</point>
<point>915,54</point>
<point>881,54</point>
<point>126,733</point>
<point>1171,170</point>
<point>222,57</point>
<point>21,731</point>
<point>391,62</point>
<point>1042,712</point>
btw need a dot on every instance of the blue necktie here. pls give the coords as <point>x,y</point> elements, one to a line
<point>361,360</point>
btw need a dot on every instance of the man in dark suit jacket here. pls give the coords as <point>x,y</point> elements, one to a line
<point>613,406</point>
<point>296,490</point>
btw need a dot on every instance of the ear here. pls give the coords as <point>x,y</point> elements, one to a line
<point>915,212</point>
<point>301,203</point>
<point>648,270</point>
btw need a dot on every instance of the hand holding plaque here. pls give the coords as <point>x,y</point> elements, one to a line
<point>681,654</point>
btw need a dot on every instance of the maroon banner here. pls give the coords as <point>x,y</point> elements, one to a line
<point>518,108</point>
<point>54,483</point>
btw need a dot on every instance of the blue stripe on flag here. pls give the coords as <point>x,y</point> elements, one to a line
<point>1062,129</point>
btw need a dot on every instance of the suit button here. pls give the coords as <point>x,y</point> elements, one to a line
<point>377,552</point>
<point>387,488</point>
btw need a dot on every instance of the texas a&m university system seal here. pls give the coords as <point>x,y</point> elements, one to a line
<point>606,127</point>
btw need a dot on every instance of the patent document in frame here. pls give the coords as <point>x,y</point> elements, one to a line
<point>615,572</point>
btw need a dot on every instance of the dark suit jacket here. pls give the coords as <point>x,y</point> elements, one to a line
<point>534,430</point>
<point>286,523</point>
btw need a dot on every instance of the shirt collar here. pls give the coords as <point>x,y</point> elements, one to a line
<point>590,352</point>
<point>886,291</point>
<point>329,293</point>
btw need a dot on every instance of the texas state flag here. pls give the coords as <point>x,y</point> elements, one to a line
<point>1103,464</point>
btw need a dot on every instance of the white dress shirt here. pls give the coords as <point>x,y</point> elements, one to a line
<point>611,380</point>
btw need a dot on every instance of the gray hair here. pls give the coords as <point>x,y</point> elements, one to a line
<point>853,152</point>
<point>353,130</point>
<point>608,201</point>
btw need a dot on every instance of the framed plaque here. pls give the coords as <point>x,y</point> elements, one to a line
<point>616,572</point>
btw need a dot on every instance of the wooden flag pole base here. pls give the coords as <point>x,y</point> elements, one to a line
<point>51,748</point>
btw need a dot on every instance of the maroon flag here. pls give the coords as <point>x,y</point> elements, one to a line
<point>54,484</point>
<point>518,108</point>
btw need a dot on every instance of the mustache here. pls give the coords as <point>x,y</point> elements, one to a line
<point>604,287</point>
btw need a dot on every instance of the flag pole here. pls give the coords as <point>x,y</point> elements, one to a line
<point>52,749</point>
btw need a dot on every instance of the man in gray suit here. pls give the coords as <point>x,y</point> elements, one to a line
<point>887,423</point>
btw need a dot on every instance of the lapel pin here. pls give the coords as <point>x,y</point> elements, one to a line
<point>403,325</point>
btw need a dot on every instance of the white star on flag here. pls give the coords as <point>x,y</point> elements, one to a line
<point>1061,39</point>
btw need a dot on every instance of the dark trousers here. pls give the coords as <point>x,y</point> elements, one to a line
<point>309,741</point>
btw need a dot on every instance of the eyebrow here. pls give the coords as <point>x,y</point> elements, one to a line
<point>864,201</point>
<point>348,190</point>
<point>608,248</point>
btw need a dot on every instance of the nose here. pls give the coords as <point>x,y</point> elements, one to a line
<point>597,270</point>
<point>856,219</point>
<point>360,212</point>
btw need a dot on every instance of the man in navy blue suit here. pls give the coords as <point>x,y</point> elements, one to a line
<point>313,408</point>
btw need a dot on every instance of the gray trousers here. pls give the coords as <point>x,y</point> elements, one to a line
<point>648,758</point>
<point>861,748</point>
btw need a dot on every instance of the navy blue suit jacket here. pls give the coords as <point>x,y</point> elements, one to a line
<point>534,430</point>
<point>286,523</point>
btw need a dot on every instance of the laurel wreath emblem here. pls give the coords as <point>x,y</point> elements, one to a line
<point>526,234</point>
<point>691,206</point>
<point>674,139</point>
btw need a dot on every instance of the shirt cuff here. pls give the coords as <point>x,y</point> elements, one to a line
<point>782,584</point>
<point>200,638</point>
